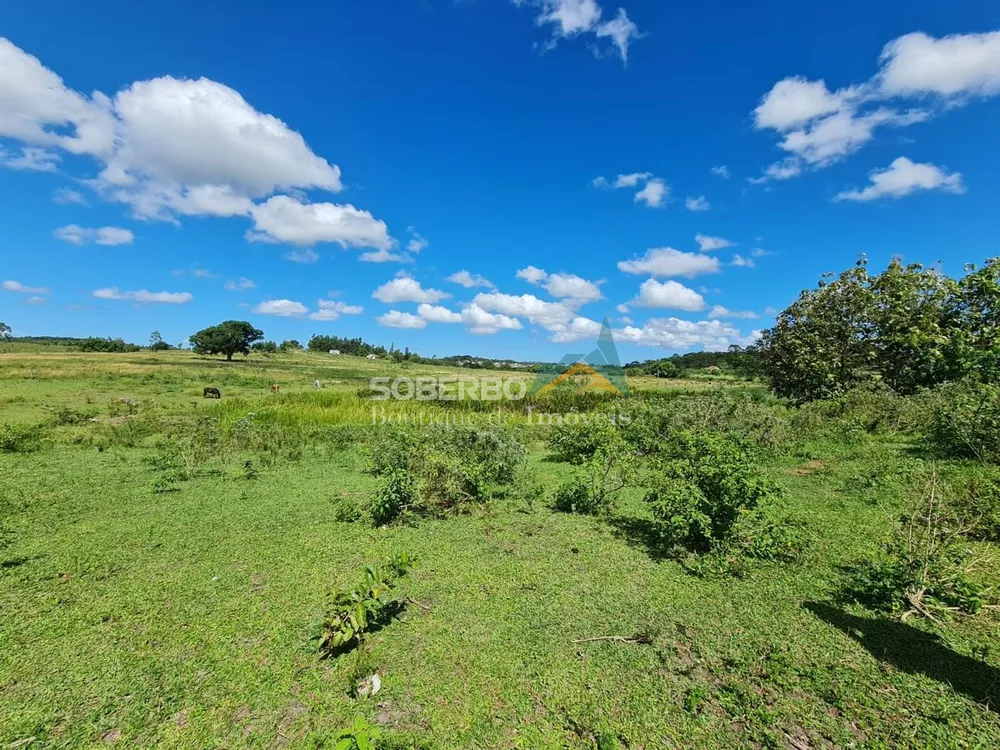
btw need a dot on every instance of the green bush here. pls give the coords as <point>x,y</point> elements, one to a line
<point>577,442</point>
<point>396,493</point>
<point>353,611</point>
<point>977,505</point>
<point>699,499</point>
<point>593,489</point>
<point>965,420</point>
<point>20,438</point>
<point>924,568</point>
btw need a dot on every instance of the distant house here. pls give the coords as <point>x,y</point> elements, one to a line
<point>335,351</point>
<point>372,356</point>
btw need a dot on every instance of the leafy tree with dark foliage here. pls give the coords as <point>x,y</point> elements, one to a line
<point>909,327</point>
<point>4,330</point>
<point>229,338</point>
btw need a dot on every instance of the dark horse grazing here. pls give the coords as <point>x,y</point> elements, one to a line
<point>212,393</point>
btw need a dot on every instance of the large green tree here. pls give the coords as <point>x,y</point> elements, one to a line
<point>907,327</point>
<point>229,338</point>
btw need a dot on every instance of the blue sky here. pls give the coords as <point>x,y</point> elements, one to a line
<point>683,169</point>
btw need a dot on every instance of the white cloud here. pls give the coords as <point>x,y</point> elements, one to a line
<point>65,196</point>
<point>31,159</point>
<point>532,275</point>
<point>550,315</point>
<point>741,262</point>
<point>203,273</point>
<point>333,309</point>
<point>417,241</point>
<point>284,308</point>
<point>571,285</point>
<point>623,309</point>
<point>172,147</point>
<point>630,180</point>
<point>574,17</point>
<point>718,311</point>
<point>469,280</point>
<point>302,256</point>
<point>438,314</point>
<point>384,256</point>
<point>707,244</point>
<point>795,101</point>
<point>239,285</point>
<point>820,127</point>
<point>397,319</point>
<point>37,108</point>
<point>285,219</point>
<point>407,289</point>
<point>670,293</point>
<point>17,286</point>
<point>697,204</point>
<point>653,194</point>
<point>35,300</point>
<point>957,65</point>
<point>666,261</point>
<point>903,177</point>
<point>143,296</point>
<point>78,235</point>
<point>684,335</point>
<point>759,252</point>
<point>481,322</point>
<point>578,328</point>
<point>721,171</point>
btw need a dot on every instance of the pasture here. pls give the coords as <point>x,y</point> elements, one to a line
<point>165,558</point>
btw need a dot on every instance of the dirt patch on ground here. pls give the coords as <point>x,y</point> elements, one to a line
<point>810,467</point>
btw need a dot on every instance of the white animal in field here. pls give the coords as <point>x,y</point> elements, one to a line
<point>372,356</point>
<point>335,351</point>
<point>317,385</point>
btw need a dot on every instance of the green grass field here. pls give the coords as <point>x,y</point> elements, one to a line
<point>145,612</point>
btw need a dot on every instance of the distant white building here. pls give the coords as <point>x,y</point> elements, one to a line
<point>335,351</point>
<point>372,356</point>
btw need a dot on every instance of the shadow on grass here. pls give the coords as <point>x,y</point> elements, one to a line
<point>917,652</point>
<point>641,532</point>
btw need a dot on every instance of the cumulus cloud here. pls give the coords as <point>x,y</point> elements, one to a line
<point>284,308</point>
<point>333,309</point>
<point>407,289</point>
<point>143,296</point>
<point>288,220</point>
<point>953,66</point>
<point>397,319</point>
<point>718,311</point>
<point>239,285</point>
<point>562,284</point>
<point>171,147</point>
<point>670,293</point>
<point>78,235</point>
<point>819,127</point>
<point>532,275</point>
<point>685,335</point>
<point>417,241</point>
<point>469,280</point>
<point>903,177</point>
<point>17,286</point>
<point>476,319</point>
<point>666,261</point>
<point>707,244</point>
<point>697,204</point>
<point>571,18</point>
<point>546,314</point>
<point>654,192</point>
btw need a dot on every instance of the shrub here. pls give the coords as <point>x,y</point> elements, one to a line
<point>361,736</point>
<point>20,438</point>
<point>977,505</point>
<point>700,498</point>
<point>353,611</point>
<point>965,420</point>
<point>606,473</point>
<point>576,443</point>
<point>448,468</point>
<point>924,568</point>
<point>396,493</point>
